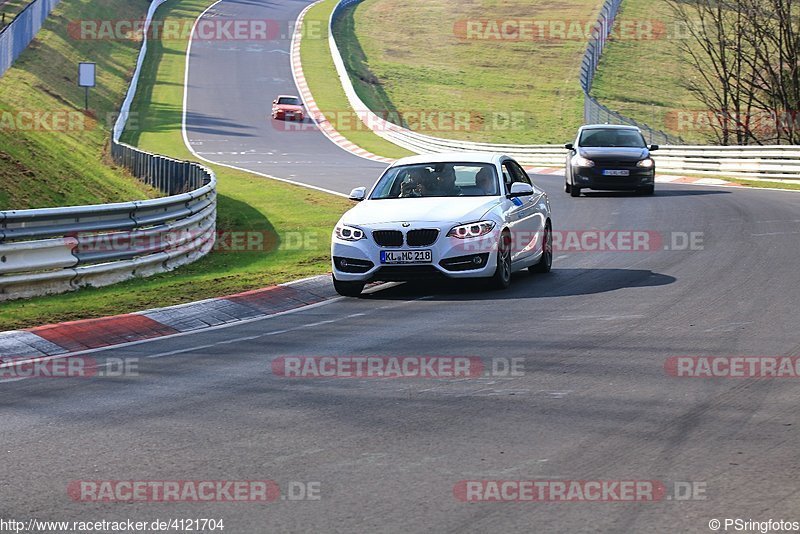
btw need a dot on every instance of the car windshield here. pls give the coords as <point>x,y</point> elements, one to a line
<point>289,100</point>
<point>437,180</point>
<point>611,137</point>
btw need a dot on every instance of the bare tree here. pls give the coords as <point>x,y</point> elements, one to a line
<point>745,60</point>
<point>773,36</point>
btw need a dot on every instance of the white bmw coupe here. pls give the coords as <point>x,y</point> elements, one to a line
<point>454,215</point>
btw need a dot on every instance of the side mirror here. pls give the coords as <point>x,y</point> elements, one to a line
<point>358,194</point>
<point>520,189</point>
<point>653,147</point>
<point>274,101</point>
<point>568,146</point>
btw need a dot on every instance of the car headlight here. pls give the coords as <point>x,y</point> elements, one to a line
<point>646,163</point>
<point>580,161</point>
<point>348,233</point>
<point>476,229</point>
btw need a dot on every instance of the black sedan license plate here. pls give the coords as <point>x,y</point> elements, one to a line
<point>611,172</point>
<point>406,256</point>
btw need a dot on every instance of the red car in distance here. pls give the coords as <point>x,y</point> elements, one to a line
<point>287,107</point>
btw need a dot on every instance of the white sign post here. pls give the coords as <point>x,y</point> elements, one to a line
<point>86,79</point>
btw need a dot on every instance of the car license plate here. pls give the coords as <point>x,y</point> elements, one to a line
<point>406,256</point>
<point>610,172</point>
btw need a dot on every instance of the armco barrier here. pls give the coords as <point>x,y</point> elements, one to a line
<point>757,162</point>
<point>52,250</point>
<point>15,37</point>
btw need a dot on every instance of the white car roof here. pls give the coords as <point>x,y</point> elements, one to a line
<point>287,96</point>
<point>451,157</point>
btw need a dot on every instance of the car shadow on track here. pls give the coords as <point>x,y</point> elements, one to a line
<point>557,283</point>
<point>658,193</point>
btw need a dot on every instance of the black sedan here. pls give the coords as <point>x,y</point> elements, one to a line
<point>611,158</point>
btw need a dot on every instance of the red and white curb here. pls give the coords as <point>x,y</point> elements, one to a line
<point>311,105</point>
<point>545,170</point>
<point>76,336</point>
<point>693,180</point>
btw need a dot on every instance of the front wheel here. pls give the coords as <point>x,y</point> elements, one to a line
<point>502,275</point>
<point>567,187</point>
<point>546,261</point>
<point>574,191</point>
<point>347,289</point>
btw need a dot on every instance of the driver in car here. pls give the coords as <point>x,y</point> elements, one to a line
<point>412,185</point>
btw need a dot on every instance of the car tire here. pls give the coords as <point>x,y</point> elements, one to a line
<point>567,187</point>
<point>347,289</point>
<point>546,261</point>
<point>649,190</point>
<point>502,274</point>
<point>574,191</point>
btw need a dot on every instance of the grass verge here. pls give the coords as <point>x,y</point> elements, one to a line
<point>51,152</point>
<point>324,83</point>
<point>642,77</point>
<point>795,186</point>
<point>293,223</point>
<point>419,57</point>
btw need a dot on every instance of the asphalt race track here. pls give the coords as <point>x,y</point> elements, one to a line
<point>594,401</point>
<point>231,88</point>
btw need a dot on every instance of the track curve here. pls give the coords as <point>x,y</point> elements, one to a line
<point>594,401</point>
<point>231,85</point>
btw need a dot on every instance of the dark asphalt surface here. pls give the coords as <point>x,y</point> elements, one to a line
<point>594,401</point>
<point>231,88</point>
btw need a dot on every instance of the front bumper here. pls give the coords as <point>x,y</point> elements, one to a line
<point>288,115</point>
<point>593,178</point>
<point>360,261</point>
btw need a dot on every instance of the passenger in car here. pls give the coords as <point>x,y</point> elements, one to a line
<point>484,180</point>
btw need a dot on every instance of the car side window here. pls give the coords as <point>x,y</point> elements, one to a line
<point>508,176</point>
<point>519,173</point>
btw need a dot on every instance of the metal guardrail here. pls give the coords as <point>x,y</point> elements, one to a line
<point>764,162</point>
<point>16,36</point>
<point>51,250</point>
<point>781,162</point>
